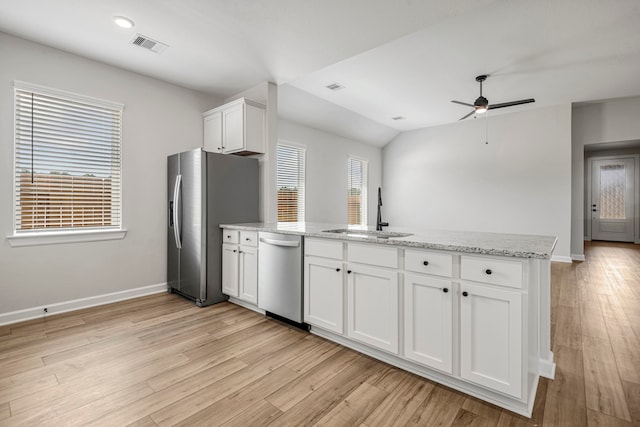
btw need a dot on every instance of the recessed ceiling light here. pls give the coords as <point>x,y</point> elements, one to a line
<point>123,22</point>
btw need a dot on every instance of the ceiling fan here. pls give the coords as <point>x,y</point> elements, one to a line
<point>481,104</point>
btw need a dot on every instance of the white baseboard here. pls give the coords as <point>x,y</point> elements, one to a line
<point>558,258</point>
<point>578,257</point>
<point>63,307</point>
<point>547,368</point>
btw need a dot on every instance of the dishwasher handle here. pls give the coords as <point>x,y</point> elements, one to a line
<point>288,243</point>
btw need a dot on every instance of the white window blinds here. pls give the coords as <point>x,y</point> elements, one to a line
<point>357,191</point>
<point>290,181</point>
<point>67,161</point>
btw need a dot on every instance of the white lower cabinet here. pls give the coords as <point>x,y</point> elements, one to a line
<point>240,266</point>
<point>458,318</point>
<point>324,293</point>
<point>428,330</point>
<point>248,277</point>
<point>230,273</point>
<point>491,337</point>
<point>372,306</point>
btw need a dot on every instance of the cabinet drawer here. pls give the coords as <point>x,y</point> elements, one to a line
<point>323,248</point>
<point>249,238</point>
<point>428,262</point>
<point>381,256</point>
<point>230,236</point>
<point>492,270</point>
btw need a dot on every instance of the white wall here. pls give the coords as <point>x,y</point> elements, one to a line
<point>604,122</point>
<point>446,177</point>
<point>159,119</point>
<point>326,171</point>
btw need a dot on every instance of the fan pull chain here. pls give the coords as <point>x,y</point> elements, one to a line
<point>486,137</point>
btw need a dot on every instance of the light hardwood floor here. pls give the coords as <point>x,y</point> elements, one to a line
<point>160,360</point>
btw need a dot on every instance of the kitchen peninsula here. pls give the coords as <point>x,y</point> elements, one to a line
<point>469,310</point>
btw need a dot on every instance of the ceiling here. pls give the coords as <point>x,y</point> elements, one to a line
<point>406,58</point>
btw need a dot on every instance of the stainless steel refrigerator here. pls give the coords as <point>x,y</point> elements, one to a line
<point>205,190</point>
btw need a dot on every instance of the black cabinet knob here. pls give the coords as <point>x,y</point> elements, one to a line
<point>445,290</point>
<point>234,251</point>
<point>465,294</point>
<point>247,239</point>
<point>348,271</point>
<point>425,262</point>
<point>337,269</point>
<point>488,271</point>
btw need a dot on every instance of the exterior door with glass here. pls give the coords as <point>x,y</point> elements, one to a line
<point>612,199</point>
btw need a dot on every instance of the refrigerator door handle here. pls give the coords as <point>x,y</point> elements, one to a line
<point>176,205</point>
<point>289,243</point>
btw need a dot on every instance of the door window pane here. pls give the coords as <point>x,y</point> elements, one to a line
<point>612,191</point>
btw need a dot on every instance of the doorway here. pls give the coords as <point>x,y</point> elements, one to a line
<point>612,199</point>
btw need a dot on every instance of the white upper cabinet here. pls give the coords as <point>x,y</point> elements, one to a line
<point>237,127</point>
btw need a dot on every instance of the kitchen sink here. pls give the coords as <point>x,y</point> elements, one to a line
<point>370,234</point>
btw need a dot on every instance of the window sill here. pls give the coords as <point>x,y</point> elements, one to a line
<point>58,237</point>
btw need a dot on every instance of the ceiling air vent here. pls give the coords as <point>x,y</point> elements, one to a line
<point>335,86</point>
<point>149,44</point>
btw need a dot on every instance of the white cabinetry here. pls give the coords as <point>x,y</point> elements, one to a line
<point>428,315</point>
<point>460,319</point>
<point>324,284</point>
<point>491,337</point>
<point>236,127</point>
<point>372,306</point>
<point>324,293</point>
<point>240,265</point>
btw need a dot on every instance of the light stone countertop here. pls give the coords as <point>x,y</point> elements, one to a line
<point>500,244</point>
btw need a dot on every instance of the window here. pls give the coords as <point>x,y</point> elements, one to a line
<point>357,191</point>
<point>290,181</point>
<point>67,162</point>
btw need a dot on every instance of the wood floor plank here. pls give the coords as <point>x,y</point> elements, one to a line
<point>236,403</point>
<point>598,419</point>
<point>440,408</point>
<point>295,391</point>
<point>568,328</point>
<point>259,414</point>
<point>355,407</point>
<point>603,386</point>
<point>565,401</point>
<point>406,393</point>
<point>183,408</point>
<point>632,395</point>
<point>311,409</point>
<point>5,411</point>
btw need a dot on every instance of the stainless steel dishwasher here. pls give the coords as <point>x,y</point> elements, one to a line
<point>280,276</point>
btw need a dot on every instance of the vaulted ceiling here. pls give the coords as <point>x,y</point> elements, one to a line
<point>405,58</point>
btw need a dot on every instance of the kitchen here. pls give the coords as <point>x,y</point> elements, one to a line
<point>162,119</point>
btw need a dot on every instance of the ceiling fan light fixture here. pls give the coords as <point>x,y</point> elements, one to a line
<point>123,22</point>
<point>481,109</point>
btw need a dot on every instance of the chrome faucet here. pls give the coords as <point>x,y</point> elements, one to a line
<point>379,223</point>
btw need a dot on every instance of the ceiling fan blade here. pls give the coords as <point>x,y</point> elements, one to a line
<point>511,104</point>
<point>462,103</point>
<point>464,117</point>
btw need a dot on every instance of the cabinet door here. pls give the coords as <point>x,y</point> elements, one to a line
<point>248,274</point>
<point>491,337</point>
<point>324,294</point>
<point>428,321</point>
<point>233,129</point>
<point>230,270</point>
<point>372,306</point>
<point>213,132</point>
